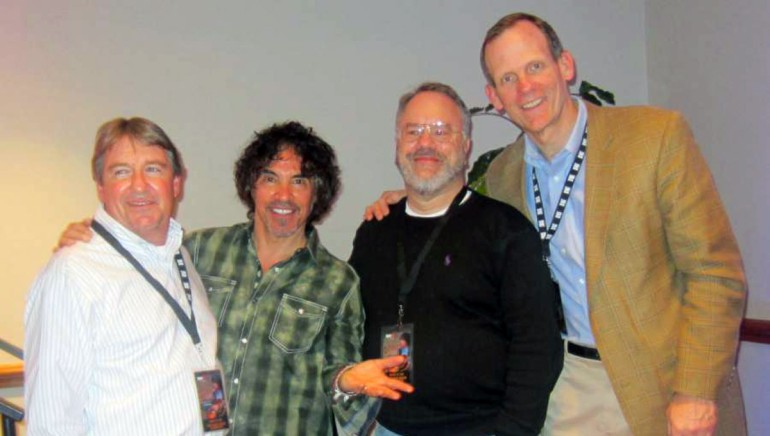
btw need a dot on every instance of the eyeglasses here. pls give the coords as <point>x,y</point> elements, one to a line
<point>438,131</point>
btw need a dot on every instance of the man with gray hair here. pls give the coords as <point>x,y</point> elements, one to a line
<point>117,330</point>
<point>461,276</point>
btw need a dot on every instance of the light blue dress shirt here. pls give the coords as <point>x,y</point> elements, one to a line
<point>567,246</point>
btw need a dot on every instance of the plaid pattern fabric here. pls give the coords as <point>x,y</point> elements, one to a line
<point>665,281</point>
<point>283,334</point>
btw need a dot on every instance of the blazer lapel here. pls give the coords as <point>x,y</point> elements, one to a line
<point>508,171</point>
<point>599,188</point>
<point>519,193</point>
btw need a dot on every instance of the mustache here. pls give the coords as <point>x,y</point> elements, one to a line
<point>426,152</point>
<point>283,205</point>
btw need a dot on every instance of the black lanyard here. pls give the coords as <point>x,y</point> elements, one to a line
<point>406,283</point>
<point>187,322</point>
<point>546,234</point>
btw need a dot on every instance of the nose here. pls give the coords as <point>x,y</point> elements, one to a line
<point>138,181</point>
<point>425,137</point>
<point>282,191</point>
<point>523,85</point>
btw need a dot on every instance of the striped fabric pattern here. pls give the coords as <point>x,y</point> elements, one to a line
<point>105,354</point>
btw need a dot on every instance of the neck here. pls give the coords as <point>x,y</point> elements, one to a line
<point>271,250</point>
<point>434,202</point>
<point>551,141</point>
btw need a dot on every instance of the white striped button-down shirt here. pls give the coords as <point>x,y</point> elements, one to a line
<point>105,354</point>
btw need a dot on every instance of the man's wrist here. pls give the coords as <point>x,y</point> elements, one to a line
<point>337,392</point>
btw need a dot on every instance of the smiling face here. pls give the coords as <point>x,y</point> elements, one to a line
<point>139,189</point>
<point>430,165</point>
<point>530,85</point>
<point>283,199</point>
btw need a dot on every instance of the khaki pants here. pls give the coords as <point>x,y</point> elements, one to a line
<point>583,402</point>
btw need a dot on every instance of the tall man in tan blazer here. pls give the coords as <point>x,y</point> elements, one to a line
<point>650,274</point>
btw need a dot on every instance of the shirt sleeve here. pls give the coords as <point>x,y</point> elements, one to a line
<point>344,341</point>
<point>535,353</point>
<point>707,258</point>
<point>58,353</point>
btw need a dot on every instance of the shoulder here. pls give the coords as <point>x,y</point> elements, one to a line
<point>623,119</point>
<point>75,272</point>
<point>485,209</point>
<point>337,270</point>
<point>326,271</point>
<point>91,258</point>
<point>331,264</point>
<point>380,228</point>
<point>214,236</point>
<point>218,231</point>
<point>512,152</point>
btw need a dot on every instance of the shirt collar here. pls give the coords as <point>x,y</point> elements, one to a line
<point>411,212</point>
<point>534,157</point>
<point>134,242</point>
<point>312,244</point>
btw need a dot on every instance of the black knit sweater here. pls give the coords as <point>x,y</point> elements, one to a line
<point>486,343</point>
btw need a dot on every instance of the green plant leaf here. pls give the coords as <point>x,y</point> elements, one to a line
<point>476,175</point>
<point>594,94</point>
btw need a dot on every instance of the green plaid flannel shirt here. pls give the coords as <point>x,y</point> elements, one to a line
<point>283,334</point>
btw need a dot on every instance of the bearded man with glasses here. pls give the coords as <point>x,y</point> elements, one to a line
<point>461,275</point>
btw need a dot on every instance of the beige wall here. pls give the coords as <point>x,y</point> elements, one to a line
<point>212,73</point>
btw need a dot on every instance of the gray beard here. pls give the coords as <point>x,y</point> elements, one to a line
<point>433,185</point>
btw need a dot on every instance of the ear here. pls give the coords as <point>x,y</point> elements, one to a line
<point>177,184</point>
<point>467,147</point>
<point>100,191</point>
<point>567,66</point>
<point>494,100</point>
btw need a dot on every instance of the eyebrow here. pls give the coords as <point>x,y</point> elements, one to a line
<point>126,164</point>
<point>268,171</point>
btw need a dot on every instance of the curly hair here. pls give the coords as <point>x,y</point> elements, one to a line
<point>319,164</point>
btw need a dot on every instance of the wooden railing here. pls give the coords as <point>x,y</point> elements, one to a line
<point>11,375</point>
<point>755,330</point>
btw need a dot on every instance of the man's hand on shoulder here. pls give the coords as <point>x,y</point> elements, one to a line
<point>688,415</point>
<point>75,232</point>
<point>381,208</point>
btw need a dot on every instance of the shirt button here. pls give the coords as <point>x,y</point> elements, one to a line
<point>235,381</point>
<point>301,311</point>
<point>278,269</point>
<point>582,281</point>
<point>555,178</point>
<point>563,251</point>
<point>244,340</point>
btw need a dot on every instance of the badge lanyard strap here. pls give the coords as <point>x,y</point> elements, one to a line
<point>547,234</point>
<point>406,283</point>
<point>187,322</point>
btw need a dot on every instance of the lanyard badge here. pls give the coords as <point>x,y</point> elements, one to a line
<point>399,339</point>
<point>547,232</point>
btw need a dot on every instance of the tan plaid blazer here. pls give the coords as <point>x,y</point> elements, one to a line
<point>666,288</point>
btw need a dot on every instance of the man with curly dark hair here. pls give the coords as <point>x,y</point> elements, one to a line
<point>290,315</point>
